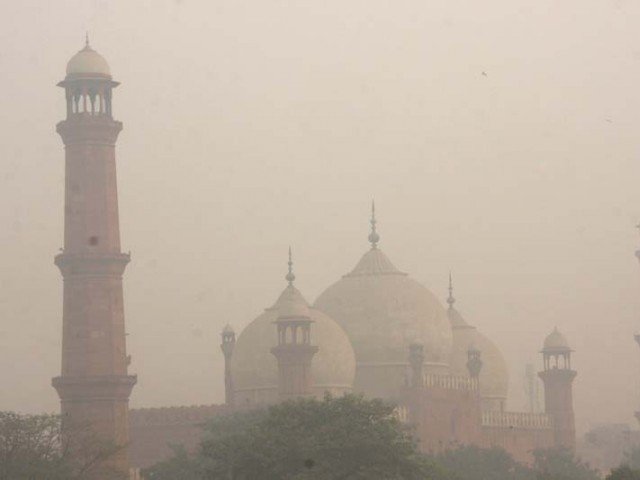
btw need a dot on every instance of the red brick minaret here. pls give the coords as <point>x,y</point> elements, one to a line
<point>558,377</point>
<point>94,385</point>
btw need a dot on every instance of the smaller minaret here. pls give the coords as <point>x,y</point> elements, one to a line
<point>228,344</point>
<point>474,361</point>
<point>557,377</point>
<point>637,336</point>
<point>416,361</point>
<point>294,351</point>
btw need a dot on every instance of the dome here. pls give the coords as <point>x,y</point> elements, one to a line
<point>88,63</point>
<point>494,375</point>
<point>292,304</point>
<point>556,343</point>
<point>254,368</point>
<point>384,311</point>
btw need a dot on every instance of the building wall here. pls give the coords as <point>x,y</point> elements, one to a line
<point>518,441</point>
<point>445,411</point>
<point>154,430</point>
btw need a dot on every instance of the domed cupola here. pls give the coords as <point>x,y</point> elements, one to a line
<point>384,312</point>
<point>254,368</point>
<point>494,375</point>
<point>88,63</point>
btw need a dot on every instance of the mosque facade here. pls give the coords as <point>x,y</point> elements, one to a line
<point>375,331</point>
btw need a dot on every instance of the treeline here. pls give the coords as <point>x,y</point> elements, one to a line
<point>350,438</point>
<point>346,438</point>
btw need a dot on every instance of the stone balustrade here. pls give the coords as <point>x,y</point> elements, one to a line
<point>522,420</point>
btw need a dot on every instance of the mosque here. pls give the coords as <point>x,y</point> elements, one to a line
<point>375,331</point>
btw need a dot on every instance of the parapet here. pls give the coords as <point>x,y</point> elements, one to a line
<point>519,420</point>
<point>175,415</point>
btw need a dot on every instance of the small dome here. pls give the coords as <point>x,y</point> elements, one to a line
<point>556,343</point>
<point>88,63</point>
<point>494,375</point>
<point>292,304</point>
<point>255,369</point>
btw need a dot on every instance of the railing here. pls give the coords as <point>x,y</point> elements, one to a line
<point>174,415</point>
<point>450,382</point>
<point>537,421</point>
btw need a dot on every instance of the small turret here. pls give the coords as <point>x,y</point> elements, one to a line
<point>558,377</point>
<point>474,361</point>
<point>294,351</point>
<point>416,360</point>
<point>227,346</point>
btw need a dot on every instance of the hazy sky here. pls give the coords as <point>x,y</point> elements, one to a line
<point>252,125</point>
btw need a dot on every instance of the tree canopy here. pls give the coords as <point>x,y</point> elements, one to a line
<point>624,472</point>
<point>38,447</point>
<point>473,463</point>
<point>561,464</point>
<point>346,438</point>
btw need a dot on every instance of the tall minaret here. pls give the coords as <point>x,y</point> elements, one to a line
<point>294,350</point>
<point>94,385</point>
<point>557,377</point>
<point>227,346</point>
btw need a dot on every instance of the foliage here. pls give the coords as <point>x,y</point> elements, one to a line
<point>561,464</point>
<point>180,466</point>
<point>624,473</point>
<point>34,447</point>
<point>632,458</point>
<point>346,438</point>
<point>473,463</point>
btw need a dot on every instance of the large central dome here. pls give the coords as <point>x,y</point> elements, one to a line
<point>384,311</point>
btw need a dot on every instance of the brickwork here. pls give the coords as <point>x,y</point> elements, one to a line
<point>94,385</point>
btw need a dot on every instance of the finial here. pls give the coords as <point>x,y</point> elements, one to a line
<point>450,299</point>
<point>86,40</point>
<point>290,277</point>
<point>374,238</point>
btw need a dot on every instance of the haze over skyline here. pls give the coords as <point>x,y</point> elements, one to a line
<point>498,139</point>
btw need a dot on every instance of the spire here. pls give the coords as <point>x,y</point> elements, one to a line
<point>374,238</point>
<point>290,277</point>
<point>86,40</point>
<point>450,299</point>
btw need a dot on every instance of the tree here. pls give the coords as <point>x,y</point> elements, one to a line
<point>473,463</point>
<point>180,466</point>
<point>561,464</point>
<point>632,458</point>
<point>346,438</point>
<point>35,447</point>
<point>624,472</point>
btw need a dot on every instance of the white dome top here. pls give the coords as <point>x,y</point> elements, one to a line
<point>384,311</point>
<point>556,342</point>
<point>494,375</point>
<point>254,368</point>
<point>88,63</point>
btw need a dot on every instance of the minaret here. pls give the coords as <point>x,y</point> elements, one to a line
<point>474,362</point>
<point>94,385</point>
<point>416,363</point>
<point>294,351</point>
<point>557,377</point>
<point>227,346</point>
<point>637,336</point>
